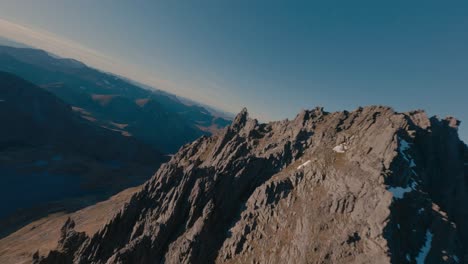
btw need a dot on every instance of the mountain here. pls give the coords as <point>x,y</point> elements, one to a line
<point>367,186</point>
<point>154,117</point>
<point>11,43</point>
<point>52,159</point>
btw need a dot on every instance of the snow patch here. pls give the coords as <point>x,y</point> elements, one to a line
<point>303,165</point>
<point>424,251</point>
<point>405,146</point>
<point>341,148</point>
<point>399,192</point>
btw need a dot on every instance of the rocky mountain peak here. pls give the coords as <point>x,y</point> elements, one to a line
<point>340,187</point>
<point>240,119</point>
<point>305,115</point>
<point>452,122</point>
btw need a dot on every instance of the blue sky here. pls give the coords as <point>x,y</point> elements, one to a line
<point>274,57</point>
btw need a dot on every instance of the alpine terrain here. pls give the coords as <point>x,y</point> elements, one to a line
<point>367,186</point>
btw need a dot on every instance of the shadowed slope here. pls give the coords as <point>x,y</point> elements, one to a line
<point>52,159</point>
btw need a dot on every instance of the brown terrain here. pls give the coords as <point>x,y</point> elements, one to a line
<point>103,99</point>
<point>43,235</point>
<point>367,186</point>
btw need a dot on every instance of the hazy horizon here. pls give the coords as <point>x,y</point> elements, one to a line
<point>272,58</point>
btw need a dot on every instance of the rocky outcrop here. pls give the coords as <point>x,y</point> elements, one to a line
<point>368,186</point>
<point>68,243</point>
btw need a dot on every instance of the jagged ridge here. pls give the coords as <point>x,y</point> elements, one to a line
<point>345,187</point>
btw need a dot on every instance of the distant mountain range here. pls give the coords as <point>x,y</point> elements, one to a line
<point>53,159</point>
<point>155,117</point>
<point>73,135</point>
<point>11,43</point>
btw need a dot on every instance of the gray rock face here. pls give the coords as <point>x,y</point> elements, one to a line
<point>368,186</point>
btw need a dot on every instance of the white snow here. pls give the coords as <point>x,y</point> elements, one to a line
<point>424,251</point>
<point>399,192</point>
<point>303,165</point>
<point>404,146</point>
<point>341,148</point>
